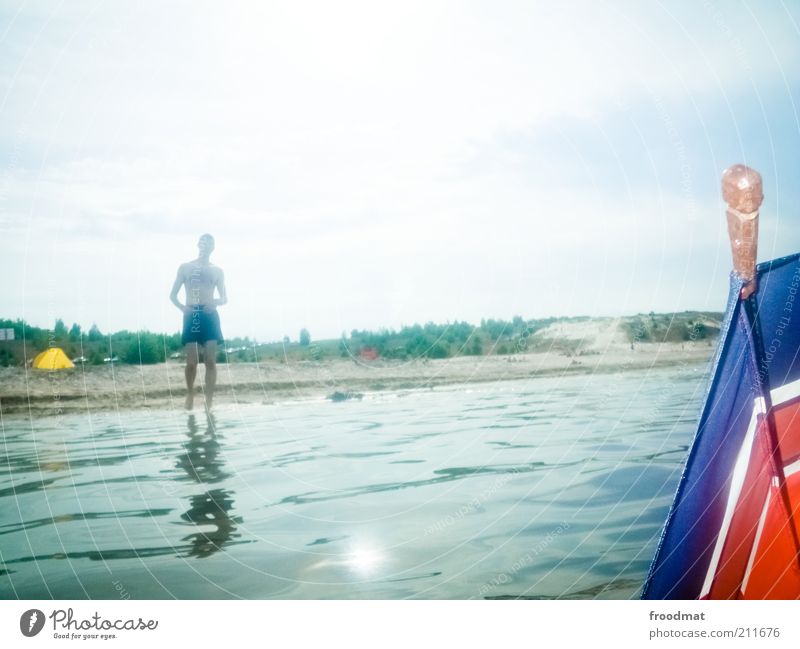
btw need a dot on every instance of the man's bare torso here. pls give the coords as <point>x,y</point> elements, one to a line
<point>199,281</point>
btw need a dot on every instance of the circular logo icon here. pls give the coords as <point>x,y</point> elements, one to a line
<point>31,622</point>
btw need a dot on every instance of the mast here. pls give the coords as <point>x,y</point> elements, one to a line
<point>743,192</point>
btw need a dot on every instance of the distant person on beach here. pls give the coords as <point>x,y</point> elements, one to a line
<point>200,318</point>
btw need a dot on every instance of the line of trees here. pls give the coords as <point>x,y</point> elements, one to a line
<point>430,340</point>
<point>458,338</point>
<point>139,347</point>
<point>93,347</point>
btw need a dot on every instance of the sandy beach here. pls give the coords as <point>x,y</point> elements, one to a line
<point>26,391</point>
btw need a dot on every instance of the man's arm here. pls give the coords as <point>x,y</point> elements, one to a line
<point>223,294</point>
<point>176,286</point>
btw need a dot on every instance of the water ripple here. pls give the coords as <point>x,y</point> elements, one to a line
<point>432,495</point>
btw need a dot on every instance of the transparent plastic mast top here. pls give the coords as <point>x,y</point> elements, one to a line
<point>743,192</point>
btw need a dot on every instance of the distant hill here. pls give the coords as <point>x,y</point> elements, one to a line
<point>597,334</point>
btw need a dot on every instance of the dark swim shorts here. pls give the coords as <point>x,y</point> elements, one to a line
<point>200,327</point>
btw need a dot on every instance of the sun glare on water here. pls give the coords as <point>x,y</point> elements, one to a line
<point>364,559</point>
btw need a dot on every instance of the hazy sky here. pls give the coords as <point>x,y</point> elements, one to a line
<point>368,164</point>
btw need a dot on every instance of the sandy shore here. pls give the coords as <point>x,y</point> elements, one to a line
<point>24,391</point>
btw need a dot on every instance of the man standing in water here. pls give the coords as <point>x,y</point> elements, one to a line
<point>200,318</point>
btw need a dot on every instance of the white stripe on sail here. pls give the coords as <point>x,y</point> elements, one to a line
<point>737,481</point>
<point>794,467</point>
<point>757,540</point>
<point>785,393</point>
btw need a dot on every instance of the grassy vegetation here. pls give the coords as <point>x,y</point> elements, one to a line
<point>672,327</point>
<point>430,340</point>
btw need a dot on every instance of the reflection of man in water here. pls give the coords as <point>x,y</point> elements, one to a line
<point>200,278</point>
<point>210,511</point>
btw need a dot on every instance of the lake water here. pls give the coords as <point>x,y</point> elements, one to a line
<point>550,487</point>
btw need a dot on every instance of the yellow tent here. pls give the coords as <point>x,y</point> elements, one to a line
<point>52,359</point>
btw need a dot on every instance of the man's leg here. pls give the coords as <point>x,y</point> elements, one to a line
<point>191,373</point>
<point>210,358</point>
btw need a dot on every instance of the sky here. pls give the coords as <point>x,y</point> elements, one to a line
<point>366,164</point>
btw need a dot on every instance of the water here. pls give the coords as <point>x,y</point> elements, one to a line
<point>550,487</point>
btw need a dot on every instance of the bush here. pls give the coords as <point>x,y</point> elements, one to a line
<point>142,350</point>
<point>438,351</point>
<point>475,348</point>
<point>6,358</point>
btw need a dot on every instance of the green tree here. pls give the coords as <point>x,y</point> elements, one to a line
<point>60,329</point>
<point>495,328</point>
<point>305,337</point>
<point>75,332</point>
<point>94,334</point>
